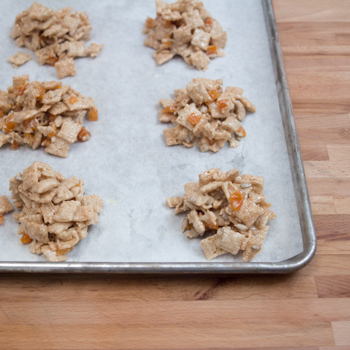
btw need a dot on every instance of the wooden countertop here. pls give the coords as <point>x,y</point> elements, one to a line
<point>308,310</point>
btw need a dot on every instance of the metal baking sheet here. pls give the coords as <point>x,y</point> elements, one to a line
<point>128,164</point>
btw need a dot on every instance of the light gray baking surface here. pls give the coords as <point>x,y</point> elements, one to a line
<point>126,160</point>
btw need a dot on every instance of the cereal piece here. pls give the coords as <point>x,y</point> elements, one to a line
<point>5,205</point>
<point>53,36</point>
<point>69,131</point>
<point>93,200</point>
<point>58,147</point>
<point>19,58</point>
<point>65,68</point>
<point>210,249</point>
<point>84,213</point>
<point>229,240</point>
<point>93,50</point>
<point>204,114</point>
<point>46,114</point>
<point>200,60</point>
<point>235,228</point>
<point>184,28</point>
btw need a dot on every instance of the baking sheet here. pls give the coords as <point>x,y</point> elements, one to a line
<point>126,160</point>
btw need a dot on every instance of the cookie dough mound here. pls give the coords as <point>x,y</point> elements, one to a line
<point>55,213</point>
<point>185,28</point>
<point>203,113</point>
<point>231,208</point>
<point>44,114</point>
<point>54,36</point>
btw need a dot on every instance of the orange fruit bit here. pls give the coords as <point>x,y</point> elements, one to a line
<point>149,22</point>
<point>212,50</point>
<point>1,114</point>
<point>1,219</point>
<point>222,104</point>
<point>167,24</point>
<point>84,134</point>
<point>41,92</point>
<point>214,227</point>
<point>53,133</point>
<point>73,100</point>
<point>237,199</point>
<point>169,109</point>
<point>214,94</point>
<point>211,142</point>
<point>62,251</point>
<point>28,138</point>
<point>9,126</point>
<point>25,239</point>
<point>166,44</point>
<point>52,60</point>
<point>209,21</point>
<point>59,86</point>
<point>93,115</point>
<point>193,118</point>
<point>31,123</point>
<point>45,142</point>
<point>14,145</point>
<point>242,131</point>
<point>19,90</point>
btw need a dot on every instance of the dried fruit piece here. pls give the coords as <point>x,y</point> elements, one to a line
<point>1,219</point>
<point>19,90</point>
<point>73,100</point>
<point>45,142</point>
<point>222,104</point>
<point>167,24</point>
<point>242,131</point>
<point>26,239</point>
<point>213,227</point>
<point>41,92</point>
<point>9,126</point>
<point>53,133</point>
<point>214,94</point>
<point>166,43</point>
<point>212,50</point>
<point>169,109</point>
<point>193,118</point>
<point>1,114</point>
<point>93,115</point>
<point>149,22</point>
<point>237,199</point>
<point>28,138</point>
<point>14,145</point>
<point>63,251</point>
<point>31,123</point>
<point>84,135</point>
<point>209,21</point>
<point>52,60</point>
<point>211,142</point>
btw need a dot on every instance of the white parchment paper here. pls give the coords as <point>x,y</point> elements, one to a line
<point>126,162</point>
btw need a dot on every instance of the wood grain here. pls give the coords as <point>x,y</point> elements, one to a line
<point>333,286</point>
<point>306,310</point>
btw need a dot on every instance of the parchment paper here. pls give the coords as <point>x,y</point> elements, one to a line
<point>126,161</point>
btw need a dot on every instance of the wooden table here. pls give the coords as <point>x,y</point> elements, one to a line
<point>309,309</point>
